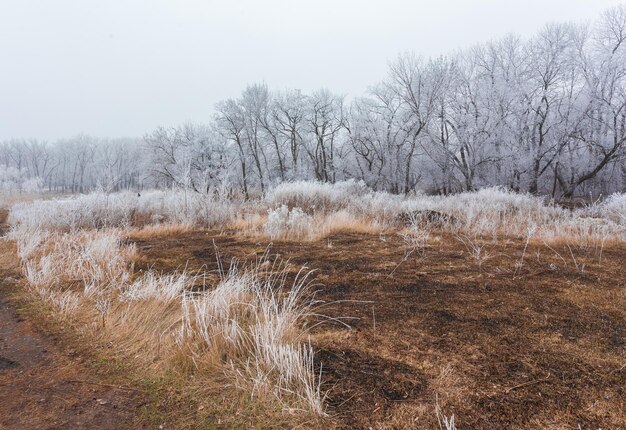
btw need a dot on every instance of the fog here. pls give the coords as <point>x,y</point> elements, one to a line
<point>122,68</point>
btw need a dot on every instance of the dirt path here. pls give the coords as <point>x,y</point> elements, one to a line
<point>41,387</point>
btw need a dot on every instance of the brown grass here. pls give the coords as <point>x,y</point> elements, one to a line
<point>138,318</point>
<point>541,345</point>
<point>527,334</point>
<point>323,224</point>
<point>7,200</point>
<point>159,230</point>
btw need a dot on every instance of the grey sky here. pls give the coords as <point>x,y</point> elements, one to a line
<point>124,67</point>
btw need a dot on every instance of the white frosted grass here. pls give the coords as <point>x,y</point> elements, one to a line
<point>86,211</point>
<point>122,210</point>
<point>41,273</point>
<point>215,316</point>
<point>487,210</point>
<point>345,197</point>
<point>479,212</point>
<point>287,369</point>
<point>492,211</point>
<point>296,210</point>
<point>187,208</point>
<point>28,244</point>
<point>95,259</point>
<point>166,287</point>
<point>252,321</point>
<point>65,302</point>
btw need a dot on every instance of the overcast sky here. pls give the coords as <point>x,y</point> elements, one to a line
<point>124,67</point>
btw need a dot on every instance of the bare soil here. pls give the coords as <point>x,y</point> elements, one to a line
<point>538,342</point>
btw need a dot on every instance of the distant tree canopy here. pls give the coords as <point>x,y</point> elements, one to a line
<point>545,115</point>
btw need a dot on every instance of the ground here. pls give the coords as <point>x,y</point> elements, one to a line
<point>537,346</point>
<point>532,342</point>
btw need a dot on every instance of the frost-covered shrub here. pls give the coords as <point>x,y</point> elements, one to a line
<point>498,208</point>
<point>347,200</point>
<point>33,185</point>
<point>383,207</point>
<point>317,196</point>
<point>482,211</point>
<point>87,211</point>
<point>186,207</point>
<point>613,208</point>
<point>283,222</point>
<point>584,232</point>
<point>13,180</point>
<point>494,211</point>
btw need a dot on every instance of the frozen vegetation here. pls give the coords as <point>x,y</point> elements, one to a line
<point>307,210</point>
<point>543,115</point>
<point>250,324</point>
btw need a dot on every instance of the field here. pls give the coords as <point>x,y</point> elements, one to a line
<point>333,307</point>
<point>527,350</point>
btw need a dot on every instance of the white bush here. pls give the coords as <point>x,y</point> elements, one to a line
<point>283,223</point>
<point>613,208</point>
<point>13,180</point>
<point>317,196</point>
<point>489,210</point>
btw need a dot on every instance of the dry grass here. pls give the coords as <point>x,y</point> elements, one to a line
<point>251,323</point>
<point>305,227</point>
<point>158,305</point>
<point>152,230</point>
<point>247,327</point>
<point>442,327</point>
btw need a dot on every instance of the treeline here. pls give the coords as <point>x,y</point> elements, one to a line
<point>545,115</point>
<point>75,165</point>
